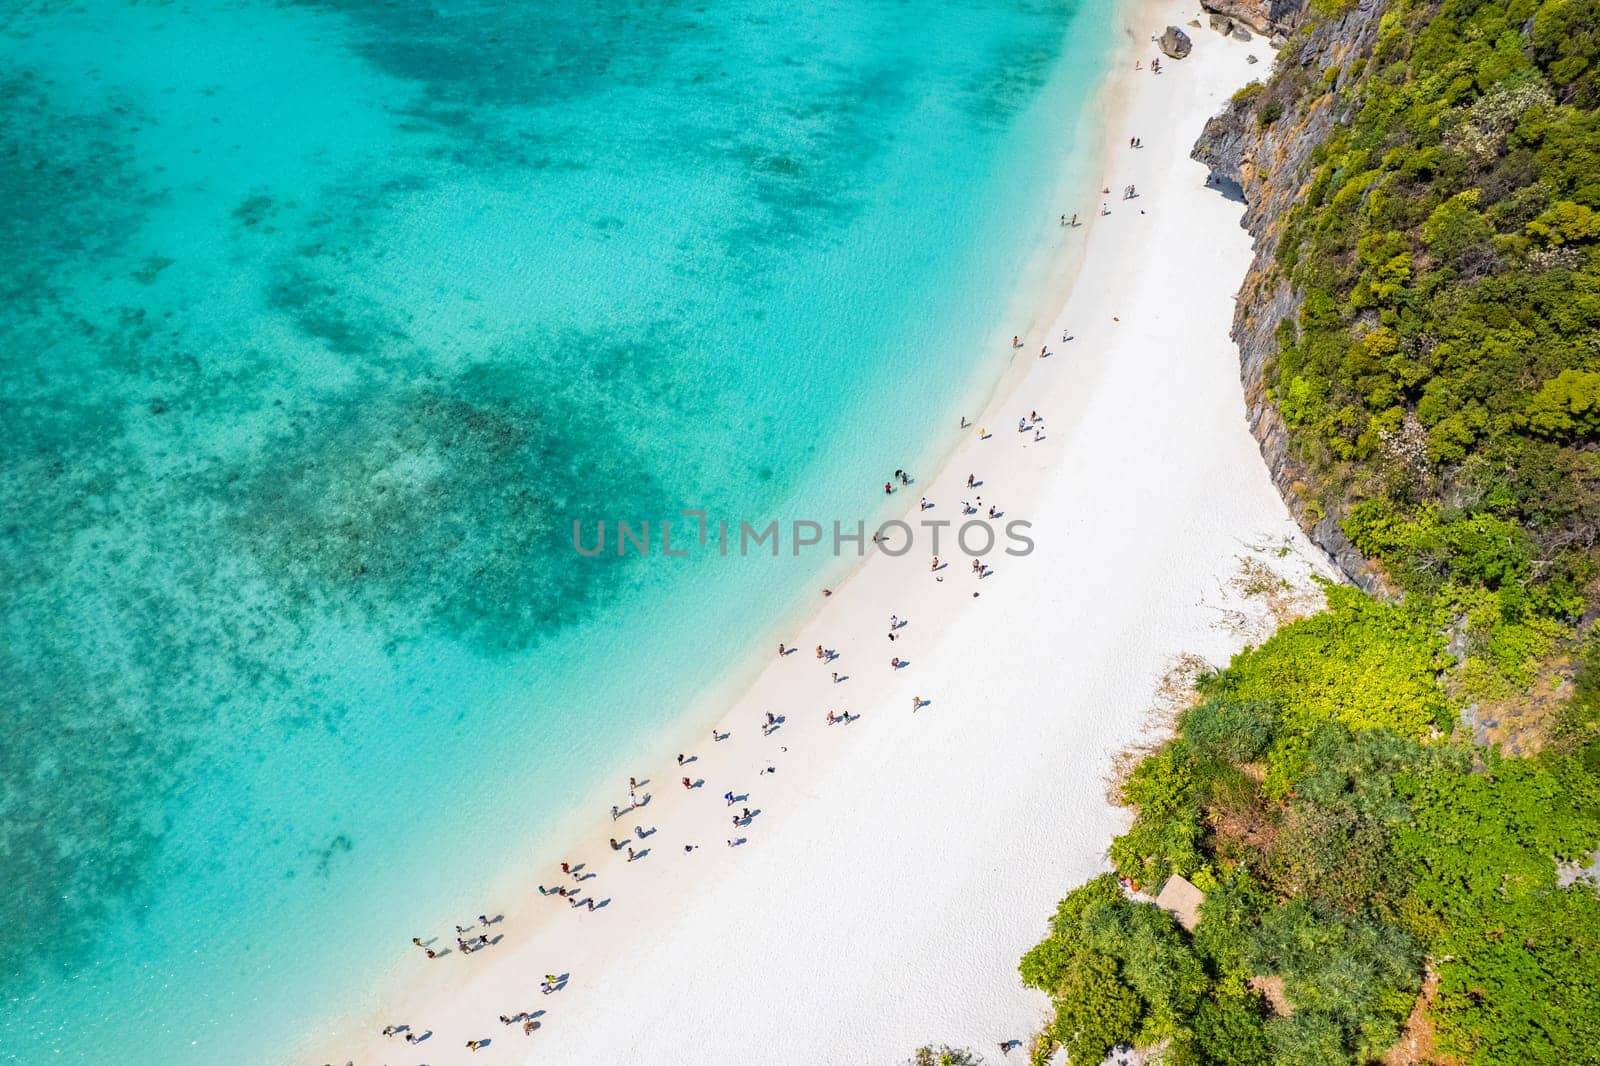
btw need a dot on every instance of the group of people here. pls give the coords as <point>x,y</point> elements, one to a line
<point>470,939</point>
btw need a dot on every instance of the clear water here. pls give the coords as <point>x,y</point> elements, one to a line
<point>321,322</point>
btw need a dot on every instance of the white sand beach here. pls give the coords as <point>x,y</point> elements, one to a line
<point>896,867</point>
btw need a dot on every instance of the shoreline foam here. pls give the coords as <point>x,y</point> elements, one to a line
<point>888,883</point>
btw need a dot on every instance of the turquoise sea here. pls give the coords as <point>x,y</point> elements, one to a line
<point>321,322</point>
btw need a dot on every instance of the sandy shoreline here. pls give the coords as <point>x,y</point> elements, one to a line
<point>897,866</point>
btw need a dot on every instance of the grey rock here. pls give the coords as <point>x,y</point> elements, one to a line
<point>1175,43</point>
<point>1251,58</point>
<point>1221,23</point>
<point>1262,16</point>
<point>1240,34</point>
<point>1278,40</point>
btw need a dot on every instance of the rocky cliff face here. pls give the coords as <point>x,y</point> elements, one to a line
<point>1261,145</point>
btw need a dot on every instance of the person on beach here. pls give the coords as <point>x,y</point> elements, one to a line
<point>630,852</point>
<point>633,800</point>
<point>411,1038</point>
<point>782,651</point>
<point>964,422</point>
<point>483,921</point>
<point>819,651</point>
<point>916,703</point>
<point>1074,221</point>
<point>831,718</point>
<point>566,867</point>
<point>529,1026</point>
<point>474,1045</point>
<point>687,783</point>
<point>417,940</point>
<point>633,783</point>
<point>894,621</point>
<point>1016,342</point>
<point>614,845</point>
<point>893,635</point>
<point>836,677</point>
<point>972,480</point>
<point>614,812</point>
<point>895,662</point>
<point>925,504</point>
<point>729,797</point>
<point>935,565</point>
<point>390,1030</point>
<point>1044,353</point>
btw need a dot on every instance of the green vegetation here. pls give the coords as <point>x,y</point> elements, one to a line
<point>1444,374</point>
<point>943,1055</point>
<point>1347,847</point>
<point>1369,870</point>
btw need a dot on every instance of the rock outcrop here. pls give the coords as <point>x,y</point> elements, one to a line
<point>1265,17</point>
<point>1175,43</point>
<point>1261,146</point>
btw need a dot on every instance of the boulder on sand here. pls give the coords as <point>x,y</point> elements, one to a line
<point>1221,23</point>
<point>1175,43</point>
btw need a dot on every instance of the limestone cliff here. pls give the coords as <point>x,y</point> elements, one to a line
<point>1261,144</point>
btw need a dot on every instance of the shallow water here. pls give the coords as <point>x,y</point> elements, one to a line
<point>320,323</point>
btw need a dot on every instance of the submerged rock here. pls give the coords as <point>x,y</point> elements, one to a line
<point>1175,43</point>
